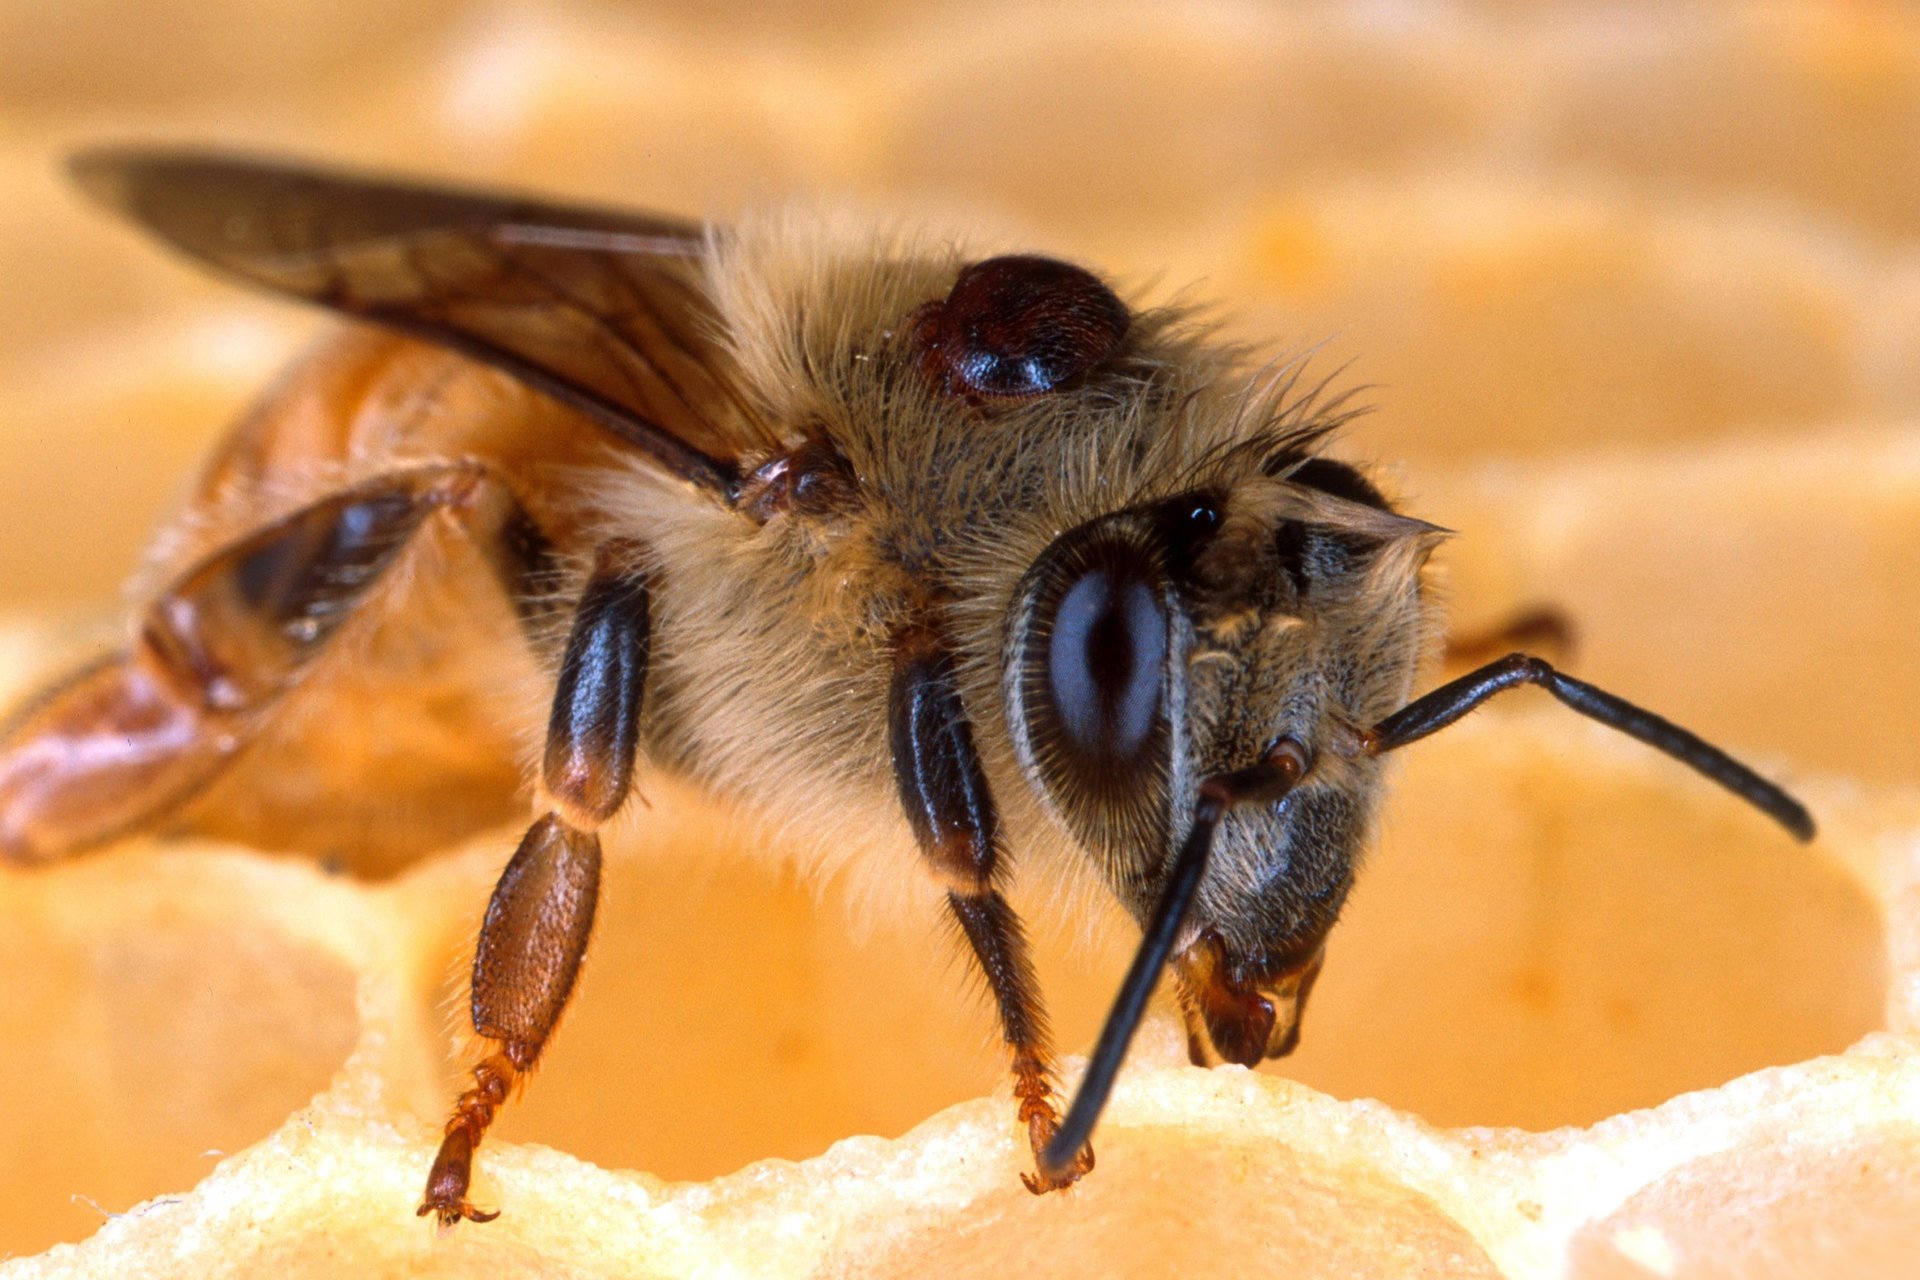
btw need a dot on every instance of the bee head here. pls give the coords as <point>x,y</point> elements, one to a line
<point>1153,649</point>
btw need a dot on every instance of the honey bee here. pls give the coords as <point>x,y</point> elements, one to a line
<point>967,550</point>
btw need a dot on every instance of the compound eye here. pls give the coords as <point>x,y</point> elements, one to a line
<point>1019,326</point>
<point>1106,661</point>
<point>1092,659</point>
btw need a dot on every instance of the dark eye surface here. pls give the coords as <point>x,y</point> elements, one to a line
<point>1094,647</point>
<point>1105,664</point>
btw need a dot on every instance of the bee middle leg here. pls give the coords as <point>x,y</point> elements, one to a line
<point>944,791</point>
<point>127,742</point>
<point>541,913</point>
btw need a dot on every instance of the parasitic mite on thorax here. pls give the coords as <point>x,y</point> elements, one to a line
<point>969,545</point>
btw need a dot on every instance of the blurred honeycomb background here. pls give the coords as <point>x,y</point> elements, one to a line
<point>1637,290</point>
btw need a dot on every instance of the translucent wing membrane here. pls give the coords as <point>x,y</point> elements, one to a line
<point>600,309</point>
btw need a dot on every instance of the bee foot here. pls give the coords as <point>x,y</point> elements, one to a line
<point>1042,1124</point>
<point>446,1196</point>
<point>450,1215</point>
<point>1040,1183</point>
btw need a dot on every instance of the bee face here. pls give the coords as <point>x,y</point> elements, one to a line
<point>1158,646</point>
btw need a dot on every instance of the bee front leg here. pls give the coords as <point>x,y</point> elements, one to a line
<point>538,921</point>
<point>944,791</point>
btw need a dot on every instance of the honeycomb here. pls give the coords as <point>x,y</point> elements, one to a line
<point>1639,290</point>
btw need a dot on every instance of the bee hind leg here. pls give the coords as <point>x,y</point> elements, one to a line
<point>541,913</point>
<point>944,791</point>
<point>124,744</point>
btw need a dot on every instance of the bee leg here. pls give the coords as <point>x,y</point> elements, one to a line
<point>537,923</point>
<point>124,743</point>
<point>1000,945</point>
<point>944,791</point>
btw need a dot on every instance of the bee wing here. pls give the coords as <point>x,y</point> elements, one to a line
<point>601,309</point>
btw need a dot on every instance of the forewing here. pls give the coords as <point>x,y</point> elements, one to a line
<point>601,309</point>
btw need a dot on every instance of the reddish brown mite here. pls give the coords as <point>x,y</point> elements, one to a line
<point>788,515</point>
<point>1019,326</point>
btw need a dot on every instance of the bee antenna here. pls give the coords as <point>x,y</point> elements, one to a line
<point>1265,782</point>
<point>1435,711</point>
